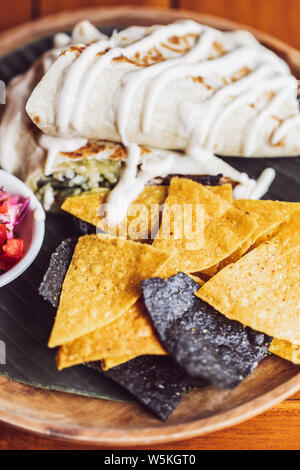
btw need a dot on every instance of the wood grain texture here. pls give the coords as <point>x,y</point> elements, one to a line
<point>277,17</point>
<point>13,12</point>
<point>109,423</point>
<point>54,6</point>
<point>277,429</point>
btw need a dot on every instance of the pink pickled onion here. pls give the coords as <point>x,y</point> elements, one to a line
<point>17,210</point>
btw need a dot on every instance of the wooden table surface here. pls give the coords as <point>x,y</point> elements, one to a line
<point>277,17</point>
<point>278,428</point>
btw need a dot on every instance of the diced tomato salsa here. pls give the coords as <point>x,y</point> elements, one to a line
<point>13,210</point>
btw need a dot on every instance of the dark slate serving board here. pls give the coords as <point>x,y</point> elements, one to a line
<point>26,319</point>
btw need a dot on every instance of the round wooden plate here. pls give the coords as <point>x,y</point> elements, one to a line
<point>117,424</point>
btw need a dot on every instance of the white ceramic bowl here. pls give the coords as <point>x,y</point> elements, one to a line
<point>32,229</point>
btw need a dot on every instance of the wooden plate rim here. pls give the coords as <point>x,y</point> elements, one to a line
<point>18,36</point>
<point>153,435</point>
<point>30,31</point>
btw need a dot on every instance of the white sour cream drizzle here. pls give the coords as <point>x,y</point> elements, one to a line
<point>133,80</point>
<point>267,73</point>
<point>74,77</point>
<point>248,92</point>
<point>54,145</point>
<point>77,104</point>
<point>230,62</point>
<point>284,128</point>
<point>158,35</point>
<point>283,92</point>
<point>163,163</point>
<point>264,181</point>
<point>128,188</point>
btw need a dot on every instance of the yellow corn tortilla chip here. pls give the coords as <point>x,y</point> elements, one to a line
<point>269,216</point>
<point>262,289</point>
<point>131,335</point>
<point>225,228</point>
<point>197,279</point>
<point>110,362</point>
<point>224,190</point>
<point>286,350</point>
<point>210,272</point>
<point>103,281</point>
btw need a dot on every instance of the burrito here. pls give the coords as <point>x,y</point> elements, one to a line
<point>56,168</point>
<point>181,86</point>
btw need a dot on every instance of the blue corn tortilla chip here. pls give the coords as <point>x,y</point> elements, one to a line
<point>204,343</point>
<point>51,286</point>
<point>206,180</point>
<point>157,382</point>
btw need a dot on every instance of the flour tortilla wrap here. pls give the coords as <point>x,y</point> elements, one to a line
<point>172,87</point>
<point>56,168</point>
<point>89,166</point>
<point>19,152</point>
